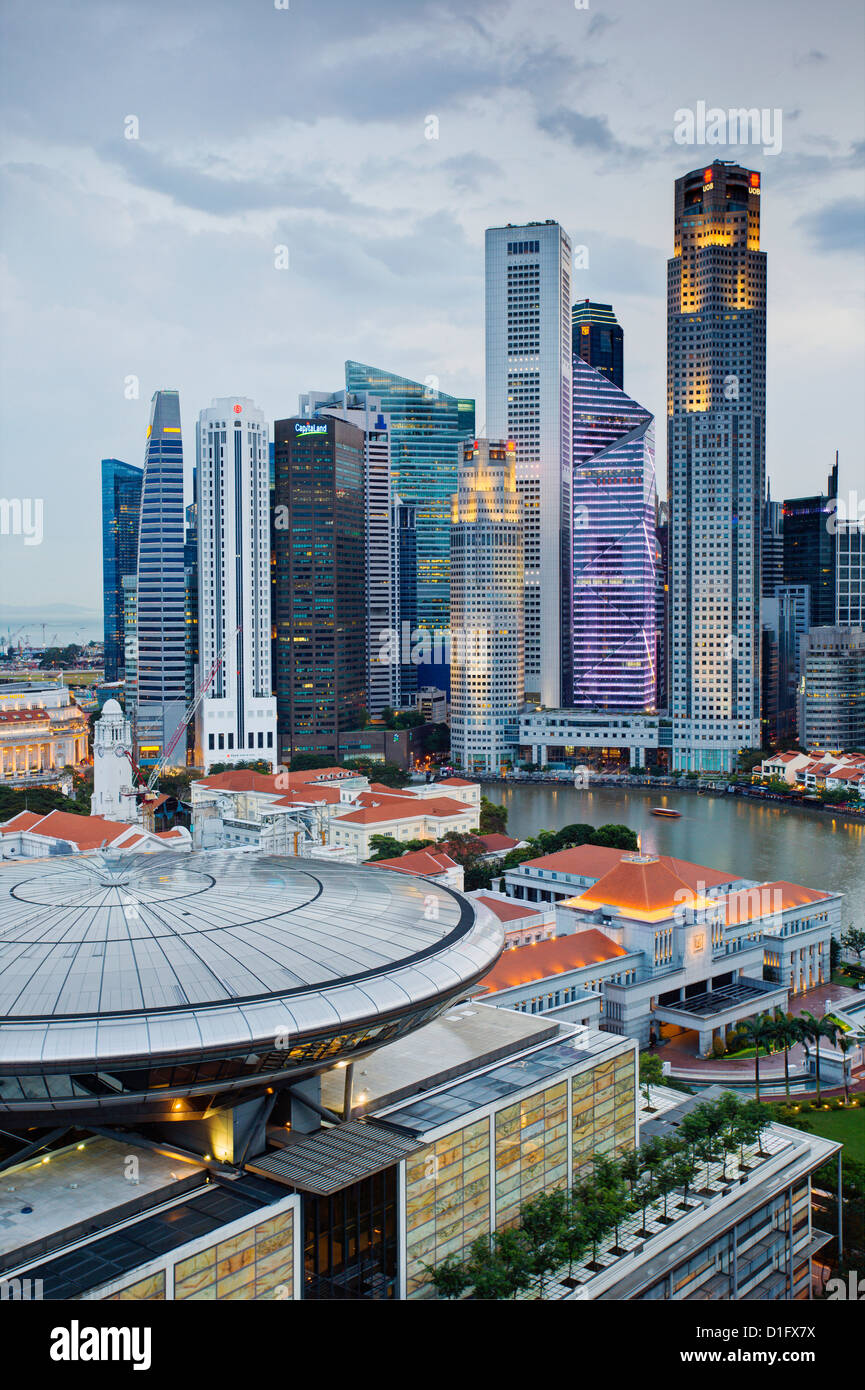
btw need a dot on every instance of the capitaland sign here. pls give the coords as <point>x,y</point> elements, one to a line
<point>302,428</point>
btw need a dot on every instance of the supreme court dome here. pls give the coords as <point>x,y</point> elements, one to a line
<point>129,981</point>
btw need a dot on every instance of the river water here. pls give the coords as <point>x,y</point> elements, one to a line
<point>752,840</point>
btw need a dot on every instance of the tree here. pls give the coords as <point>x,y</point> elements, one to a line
<point>853,939</point>
<point>757,1032</point>
<point>592,1204</point>
<point>388,774</point>
<point>301,762</point>
<point>753,1120</point>
<point>814,1029</point>
<point>542,1223</point>
<point>787,1033</point>
<point>486,1270</point>
<point>386,847</point>
<point>651,1074</point>
<point>848,1042</point>
<point>669,1175</point>
<point>610,1180</point>
<point>493,818</point>
<point>570,836</point>
<point>449,1279</point>
<point>615,837</point>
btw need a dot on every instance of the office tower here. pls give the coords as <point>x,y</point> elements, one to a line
<point>129,585</point>
<point>121,510</point>
<point>772,558</point>
<point>611,574</point>
<point>786,615</point>
<point>236,720</point>
<point>528,375</point>
<point>319,601</point>
<point>404,533</point>
<point>161,597</point>
<point>832,690</point>
<point>597,338</point>
<point>662,605</point>
<point>850,572</point>
<point>381,555</point>
<point>190,572</point>
<point>809,548</point>
<point>770,692</point>
<point>716,370</point>
<point>487,581</point>
<point>427,432</point>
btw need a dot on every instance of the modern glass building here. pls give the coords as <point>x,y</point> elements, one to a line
<point>427,431</point>
<point>850,572</point>
<point>597,337</point>
<point>319,604</point>
<point>611,652</point>
<point>786,615</point>
<point>528,384</point>
<point>161,596</point>
<point>404,532</point>
<point>121,509</point>
<point>716,413</point>
<point>809,548</point>
<point>832,690</point>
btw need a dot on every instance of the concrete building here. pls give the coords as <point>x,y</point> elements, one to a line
<point>832,689</point>
<point>384,811</point>
<point>487,591</point>
<point>567,735</point>
<point>697,949</point>
<point>528,384</point>
<point>42,731</point>
<point>236,720</point>
<point>716,404</point>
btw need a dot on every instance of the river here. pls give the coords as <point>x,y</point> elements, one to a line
<point>754,840</point>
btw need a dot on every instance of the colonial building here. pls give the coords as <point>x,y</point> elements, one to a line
<point>42,731</point>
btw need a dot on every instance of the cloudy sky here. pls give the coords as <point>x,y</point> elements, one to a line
<point>306,127</point>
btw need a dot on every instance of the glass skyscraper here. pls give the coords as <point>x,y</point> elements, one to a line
<point>319,603</point>
<point>597,337</point>
<point>121,509</point>
<point>611,657</point>
<point>716,409</point>
<point>809,548</point>
<point>161,592</point>
<point>427,432</point>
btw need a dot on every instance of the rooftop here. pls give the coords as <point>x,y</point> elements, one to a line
<point>593,861</point>
<point>523,965</point>
<point>644,887</point>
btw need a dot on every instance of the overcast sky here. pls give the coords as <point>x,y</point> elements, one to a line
<point>306,128</point>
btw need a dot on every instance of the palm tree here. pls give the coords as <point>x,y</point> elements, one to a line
<point>788,1032</point>
<point>848,1042</point>
<point>814,1029</point>
<point>758,1032</point>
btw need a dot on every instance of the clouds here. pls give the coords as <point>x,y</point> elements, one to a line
<point>838,227</point>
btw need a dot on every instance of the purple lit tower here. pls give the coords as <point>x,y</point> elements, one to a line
<point>611,592</point>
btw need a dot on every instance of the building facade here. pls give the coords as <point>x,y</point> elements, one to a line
<point>236,719</point>
<point>716,372</point>
<point>121,511</point>
<point>611,623</point>
<point>832,689</point>
<point>528,385</point>
<point>597,338</point>
<point>161,587</point>
<point>809,548</point>
<point>113,777</point>
<point>487,588</point>
<point>42,731</point>
<point>850,573</point>
<point>319,611</point>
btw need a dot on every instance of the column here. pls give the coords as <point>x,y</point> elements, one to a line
<point>704,1041</point>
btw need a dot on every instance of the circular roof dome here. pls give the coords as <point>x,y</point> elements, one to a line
<point>116,961</point>
<point>111,707</point>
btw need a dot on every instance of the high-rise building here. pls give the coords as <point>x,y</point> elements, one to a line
<point>121,510</point>
<point>129,584</point>
<point>611,574</point>
<point>662,604</point>
<point>832,690</point>
<point>716,389</point>
<point>404,533</point>
<point>772,557</point>
<point>236,720</point>
<point>597,338</point>
<point>528,376</point>
<point>319,611</point>
<point>190,570</point>
<point>850,573</point>
<point>785,614</point>
<point>809,548</point>
<point>487,674</point>
<point>161,591</point>
<point>381,552</point>
<point>427,431</point>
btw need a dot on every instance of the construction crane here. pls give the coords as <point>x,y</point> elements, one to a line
<point>203,686</point>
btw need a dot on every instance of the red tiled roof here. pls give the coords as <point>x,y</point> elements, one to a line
<point>26,715</point>
<point>22,821</point>
<point>88,832</point>
<point>405,808</point>
<point>749,904</point>
<point>641,886</point>
<point>507,911</point>
<point>542,960</point>
<point>455,782</point>
<point>497,842</point>
<point>427,862</point>
<point>593,861</point>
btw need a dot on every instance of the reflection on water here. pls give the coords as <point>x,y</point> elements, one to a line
<point>754,840</point>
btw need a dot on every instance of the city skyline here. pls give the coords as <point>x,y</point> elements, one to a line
<point>384,231</point>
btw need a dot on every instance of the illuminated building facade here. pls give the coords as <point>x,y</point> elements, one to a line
<point>612,571</point>
<point>236,720</point>
<point>716,407</point>
<point>487,674</point>
<point>832,689</point>
<point>528,383</point>
<point>597,338</point>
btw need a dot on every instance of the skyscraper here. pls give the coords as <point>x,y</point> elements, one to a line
<point>427,431</point>
<point>597,338</point>
<point>716,374</point>
<point>487,582</point>
<point>528,376</point>
<point>121,511</point>
<point>809,548</point>
<point>612,574</point>
<point>832,690</point>
<point>772,560</point>
<point>786,615</point>
<point>850,572</point>
<point>161,625</point>
<point>319,602</point>
<point>236,720</point>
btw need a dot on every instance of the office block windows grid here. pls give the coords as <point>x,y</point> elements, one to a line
<point>447,1199</point>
